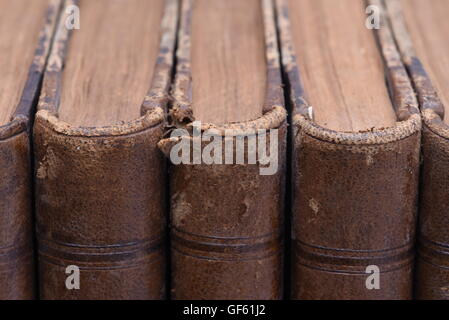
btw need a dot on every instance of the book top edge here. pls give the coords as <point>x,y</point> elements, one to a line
<point>154,103</point>
<point>20,118</point>
<point>273,112</point>
<point>404,100</point>
<point>152,118</point>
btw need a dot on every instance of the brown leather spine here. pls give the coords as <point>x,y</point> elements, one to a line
<point>100,207</point>
<point>100,192</point>
<point>432,274</point>
<point>227,220</point>
<point>16,253</point>
<point>17,272</point>
<point>354,193</point>
<point>432,270</point>
<point>227,243</point>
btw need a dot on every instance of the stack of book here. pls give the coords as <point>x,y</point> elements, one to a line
<point>209,149</point>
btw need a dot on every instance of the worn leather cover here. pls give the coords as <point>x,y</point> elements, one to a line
<point>100,192</point>
<point>432,274</point>
<point>17,272</point>
<point>227,220</point>
<point>354,194</point>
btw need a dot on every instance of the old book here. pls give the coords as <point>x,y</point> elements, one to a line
<point>26,29</point>
<point>100,181</point>
<point>355,153</point>
<point>226,210</point>
<point>422,30</point>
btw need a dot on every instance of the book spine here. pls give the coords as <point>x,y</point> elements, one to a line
<point>226,230</point>
<point>100,208</point>
<point>354,193</point>
<point>101,192</point>
<point>432,266</point>
<point>353,216</point>
<point>17,268</point>
<point>16,232</point>
<point>227,219</point>
<point>432,274</point>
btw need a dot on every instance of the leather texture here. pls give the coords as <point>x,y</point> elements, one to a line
<point>16,232</point>
<point>433,251</point>
<point>227,220</point>
<point>17,267</point>
<point>355,207</point>
<point>100,206</point>
<point>227,228</point>
<point>354,194</point>
<point>226,231</point>
<point>101,192</point>
<point>432,268</point>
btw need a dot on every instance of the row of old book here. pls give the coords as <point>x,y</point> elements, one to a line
<point>97,96</point>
